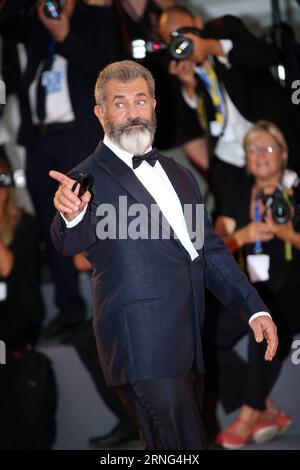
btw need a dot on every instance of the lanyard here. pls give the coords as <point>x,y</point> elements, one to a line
<point>257,250</point>
<point>50,52</point>
<point>288,250</point>
<point>210,80</point>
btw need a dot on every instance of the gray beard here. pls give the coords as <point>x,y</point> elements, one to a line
<point>135,141</point>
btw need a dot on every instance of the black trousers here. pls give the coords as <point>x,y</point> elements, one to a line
<point>167,411</point>
<point>85,345</point>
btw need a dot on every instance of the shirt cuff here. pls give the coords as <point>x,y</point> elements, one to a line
<point>259,314</point>
<point>191,102</point>
<point>78,218</point>
<point>227,45</point>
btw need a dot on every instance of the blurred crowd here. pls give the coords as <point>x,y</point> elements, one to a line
<point>236,126</point>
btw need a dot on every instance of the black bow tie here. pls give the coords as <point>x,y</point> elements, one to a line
<point>150,157</point>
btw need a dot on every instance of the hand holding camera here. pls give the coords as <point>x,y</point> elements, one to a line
<point>254,231</point>
<point>283,231</point>
<point>185,72</point>
<point>280,211</point>
<point>54,17</point>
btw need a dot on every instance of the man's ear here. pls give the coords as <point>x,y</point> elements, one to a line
<point>99,113</point>
<point>199,23</point>
<point>154,103</point>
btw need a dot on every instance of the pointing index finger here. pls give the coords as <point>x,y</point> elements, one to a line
<point>61,178</point>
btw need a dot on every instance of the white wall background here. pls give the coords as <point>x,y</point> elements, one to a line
<point>259,10</point>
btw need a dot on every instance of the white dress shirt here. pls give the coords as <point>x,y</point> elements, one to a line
<point>157,183</point>
<point>57,98</point>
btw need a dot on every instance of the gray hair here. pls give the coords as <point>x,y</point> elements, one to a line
<point>125,71</point>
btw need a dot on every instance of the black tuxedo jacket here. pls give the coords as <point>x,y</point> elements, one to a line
<point>148,294</point>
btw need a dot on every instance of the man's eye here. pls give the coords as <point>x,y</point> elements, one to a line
<point>119,105</point>
<point>141,102</point>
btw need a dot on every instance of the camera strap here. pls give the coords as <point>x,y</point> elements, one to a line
<point>257,250</point>
<point>211,82</point>
<point>288,250</point>
<point>41,89</point>
<point>258,264</point>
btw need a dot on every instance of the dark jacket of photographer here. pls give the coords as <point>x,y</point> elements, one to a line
<point>283,274</point>
<point>248,81</point>
<point>89,46</point>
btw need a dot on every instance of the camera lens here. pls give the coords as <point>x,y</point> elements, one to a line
<point>281,213</point>
<point>181,48</point>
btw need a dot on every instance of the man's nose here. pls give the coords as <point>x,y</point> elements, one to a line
<point>133,111</point>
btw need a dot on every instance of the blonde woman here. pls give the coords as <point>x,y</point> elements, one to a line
<point>269,247</point>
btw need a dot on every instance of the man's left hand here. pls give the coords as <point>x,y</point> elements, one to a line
<point>264,328</point>
<point>59,29</point>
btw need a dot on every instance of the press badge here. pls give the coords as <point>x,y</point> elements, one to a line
<point>258,267</point>
<point>52,81</point>
<point>3,291</point>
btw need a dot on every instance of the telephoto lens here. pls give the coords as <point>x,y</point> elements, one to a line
<point>180,47</point>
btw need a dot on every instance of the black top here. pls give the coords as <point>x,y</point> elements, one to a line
<point>136,27</point>
<point>282,272</point>
<point>90,45</point>
<point>22,311</point>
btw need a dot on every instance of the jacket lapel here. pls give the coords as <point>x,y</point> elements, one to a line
<point>179,181</point>
<point>185,191</point>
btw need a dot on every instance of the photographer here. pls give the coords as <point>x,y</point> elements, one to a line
<point>262,227</point>
<point>226,79</point>
<point>60,60</point>
<point>21,304</point>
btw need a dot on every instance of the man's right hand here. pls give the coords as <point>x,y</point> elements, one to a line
<point>65,200</point>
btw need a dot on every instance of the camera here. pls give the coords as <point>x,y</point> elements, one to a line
<point>280,209</point>
<point>179,48</point>
<point>84,182</point>
<point>16,178</point>
<point>283,209</point>
<point>53,8</point>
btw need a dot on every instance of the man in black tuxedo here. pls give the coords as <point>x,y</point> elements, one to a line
<point>148,289</point>
<point>228,83</point>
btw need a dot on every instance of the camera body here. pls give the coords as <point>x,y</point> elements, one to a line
<point>53,8</point>
<point>280,208</point>
<point>283,209</point>
<point>16,178</point>
<point>180,47</point>
<point>6,180</point>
